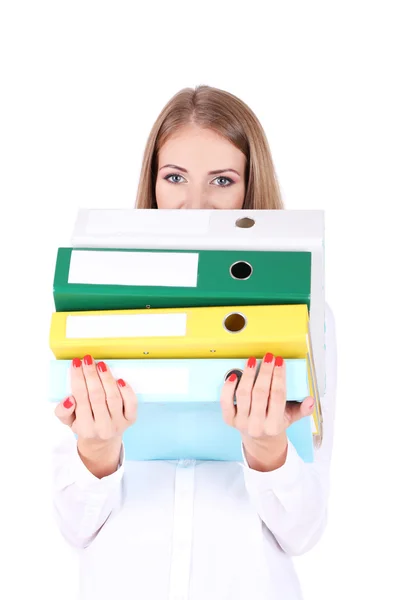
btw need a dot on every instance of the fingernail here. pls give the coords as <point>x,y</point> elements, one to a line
<point>121,382</point>
<point>278,361</point>
<point>232,377</point>
<point>88,360</point>
<point>268,358</point>
<point>67,403</point>
<point>77,362</point>
<point>102,367</point>
<point>251,362</point>
<point>311,405</point>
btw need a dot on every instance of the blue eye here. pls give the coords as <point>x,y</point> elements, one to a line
<point>226,179</point>
<point>168,177</point>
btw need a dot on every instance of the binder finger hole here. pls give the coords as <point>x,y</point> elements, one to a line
<point>245,223</point>
<point>235,322</point>
<point>238,373</point>
<point>241,270</point>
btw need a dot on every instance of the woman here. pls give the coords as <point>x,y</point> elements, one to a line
<point>195,530</point>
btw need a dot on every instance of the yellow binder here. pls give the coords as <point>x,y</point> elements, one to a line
<point>210,332</point>
<point>313,391</point>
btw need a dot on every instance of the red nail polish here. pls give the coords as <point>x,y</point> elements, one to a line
<point>102,367</point>
<point>251,362</point>
<point>67,403</point>
<point>278,361</point>
<point>88,360</point>
<point>77,362</point>
<point>268,358</point>
<point>232,377</point>
<point>121,382</point>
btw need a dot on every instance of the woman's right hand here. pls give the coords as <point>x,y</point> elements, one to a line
<point>99,410</point>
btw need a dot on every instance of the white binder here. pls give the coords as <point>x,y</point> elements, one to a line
<point>197,229</point>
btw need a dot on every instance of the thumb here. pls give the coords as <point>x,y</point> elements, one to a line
<point>65,411</point>
<point>298,410</point>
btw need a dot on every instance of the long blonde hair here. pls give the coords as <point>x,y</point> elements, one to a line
<point>224,113</point>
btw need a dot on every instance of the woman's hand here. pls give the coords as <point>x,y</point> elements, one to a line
<point>262,413</point>
<point>99,410</point>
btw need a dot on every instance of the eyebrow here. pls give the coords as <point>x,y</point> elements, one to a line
<point>216,172</point>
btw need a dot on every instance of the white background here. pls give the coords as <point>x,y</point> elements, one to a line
<point>81,84</point>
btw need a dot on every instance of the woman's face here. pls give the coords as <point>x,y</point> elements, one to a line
<point>197,168</point>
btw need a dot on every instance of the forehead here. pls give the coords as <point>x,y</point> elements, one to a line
<point>192,146</point>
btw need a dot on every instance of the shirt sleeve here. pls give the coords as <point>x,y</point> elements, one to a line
<point>82,502</point>
<point>292,500</point>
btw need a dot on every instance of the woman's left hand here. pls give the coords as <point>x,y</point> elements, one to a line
<point>262,413</point>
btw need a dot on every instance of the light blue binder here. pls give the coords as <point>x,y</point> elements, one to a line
<point>185,421</point>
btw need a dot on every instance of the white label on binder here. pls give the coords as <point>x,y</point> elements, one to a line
<point>126,326</point>
<point>153,380</point>
<point>168,269</point>
<point>143,222</point>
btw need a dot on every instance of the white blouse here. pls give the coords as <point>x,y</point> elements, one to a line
<point>195,530</point>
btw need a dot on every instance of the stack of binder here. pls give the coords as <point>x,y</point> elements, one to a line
<point>174,301</point>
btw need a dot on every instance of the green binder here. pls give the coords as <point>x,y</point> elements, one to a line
<point>117,279</point>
